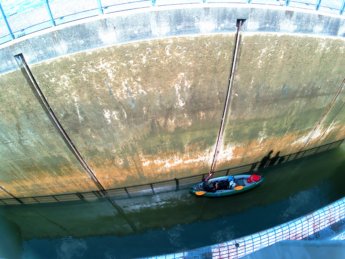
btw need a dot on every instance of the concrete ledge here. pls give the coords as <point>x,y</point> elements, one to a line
<point>161,22</point>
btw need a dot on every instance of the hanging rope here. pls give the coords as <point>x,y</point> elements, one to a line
<point>239,24</point>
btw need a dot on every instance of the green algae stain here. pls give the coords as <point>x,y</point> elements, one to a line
<point>283,84</point>
<point>165,98</point>
<point>151,94</point>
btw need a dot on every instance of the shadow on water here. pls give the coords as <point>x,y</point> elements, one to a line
<point>174,221</point>
<point>11,244</point>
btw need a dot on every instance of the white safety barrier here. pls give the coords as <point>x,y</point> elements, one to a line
<point>297,229</point>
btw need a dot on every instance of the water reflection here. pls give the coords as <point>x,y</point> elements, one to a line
<point>174,221</point>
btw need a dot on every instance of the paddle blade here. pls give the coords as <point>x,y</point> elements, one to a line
<point>200,193</point>
<point>238,188</point>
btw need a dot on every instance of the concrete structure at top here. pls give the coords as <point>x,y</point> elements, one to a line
<point>141,94</point>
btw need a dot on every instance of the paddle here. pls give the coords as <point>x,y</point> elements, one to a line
<point>200,193</point>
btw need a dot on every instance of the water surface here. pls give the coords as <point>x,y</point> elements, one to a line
<point>171,222</point>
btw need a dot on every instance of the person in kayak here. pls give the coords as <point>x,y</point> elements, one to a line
<point>208,187</point>
<point>232,183</point>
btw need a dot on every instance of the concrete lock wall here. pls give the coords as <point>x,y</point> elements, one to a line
<point>141,95</point>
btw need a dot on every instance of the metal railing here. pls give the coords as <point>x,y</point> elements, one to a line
<point>17,21</point>
<point>163,186</point>
<point>305,227</point>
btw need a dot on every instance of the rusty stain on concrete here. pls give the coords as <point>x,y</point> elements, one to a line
<point>150,110</point>
<point>282,86</point>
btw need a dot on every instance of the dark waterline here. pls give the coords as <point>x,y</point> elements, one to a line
<point>171,222</point>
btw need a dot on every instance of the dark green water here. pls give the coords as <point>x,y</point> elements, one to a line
<point>170,222</point>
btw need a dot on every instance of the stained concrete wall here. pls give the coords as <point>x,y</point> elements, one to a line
<point>288,95</point>
<point>141,95</point>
